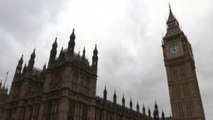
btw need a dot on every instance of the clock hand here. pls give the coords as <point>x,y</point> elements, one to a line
<point>173,49</point>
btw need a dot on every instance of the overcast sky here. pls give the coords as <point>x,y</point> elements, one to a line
<point>128,34</point>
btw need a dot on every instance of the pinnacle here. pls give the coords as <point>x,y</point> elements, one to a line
<point>171,16</point>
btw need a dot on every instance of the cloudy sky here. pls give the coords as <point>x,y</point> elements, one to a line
<point>128,34</point>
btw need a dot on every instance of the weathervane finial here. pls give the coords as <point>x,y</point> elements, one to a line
<point>169,5</point>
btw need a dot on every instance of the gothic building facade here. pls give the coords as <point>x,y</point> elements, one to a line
<point>184,91</point>
<point>65,90</point>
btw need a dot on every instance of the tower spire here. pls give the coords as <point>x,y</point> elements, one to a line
<point>21,60</point>
<point>155,112</point>
<point>44,67</point>
<point>163,115</point>
<point>84,51</point>
<point>115,97</point>
<point>19,66</point>
<point>172,25</point>
<point>149,112</point>
<point>53,53</point>
<point>130,103</point>
<point>95,58</point>
<point>71,44</point>
<point>105,94</point>
<point>6,78</point>
<point>123,101</point>
<point>171,16</point>
<point>137,107</point>
<point>144,110</point>
<point>32,60</point>
<point>61,55</point>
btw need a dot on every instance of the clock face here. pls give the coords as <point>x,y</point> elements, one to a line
<point>174,50</point>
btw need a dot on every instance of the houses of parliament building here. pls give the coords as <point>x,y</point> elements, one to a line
<point>65,89</point>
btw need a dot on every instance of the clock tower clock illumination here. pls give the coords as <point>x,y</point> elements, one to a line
<point>184,90</point>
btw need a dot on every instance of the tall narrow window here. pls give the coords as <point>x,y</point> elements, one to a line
<point>71,110</point>
<point>12,114</point>
<point>84,114</point>
<point>51,110</point>
<point>75,82</point>
<point>98,115</point>
<point>86,86</point>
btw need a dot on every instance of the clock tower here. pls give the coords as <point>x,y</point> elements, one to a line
<point>184,91</point>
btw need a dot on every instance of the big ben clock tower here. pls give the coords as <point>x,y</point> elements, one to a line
<point>184,91</point>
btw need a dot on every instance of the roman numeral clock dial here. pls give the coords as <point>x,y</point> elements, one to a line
<point>174,50</point>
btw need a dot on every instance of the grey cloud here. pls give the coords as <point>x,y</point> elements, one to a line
<point>130,54</point>
<point>20,24</point>
<point>24,19</point>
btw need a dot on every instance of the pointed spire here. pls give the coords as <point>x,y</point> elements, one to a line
<point>6,78</point>
<point>84,51</point>
<point>53,53</point>
<point>123,101</point>
<point>144,110</point>
<point>95,58</point>
<point>137,107</point>
<point>172,25</point>
<point>32,60</point>
<point>156,106</point>
<point>62,49</point>
<point>95,52</point>
<point>163,115</point>
<point>33,54</point>
<point>171,16</point>
<point>61,53</point>
<point>130,103</point>
<point>19,66</point>
<point>55,44</point>
<point>44,67</point>
<point>25,68</point>
<point>156,113</point>
<point>149,113</point>
<point>72,36</point>
<point>71,44</point>
<point>115,97</point>
<point>105,94</point>
<point>20,62</point>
